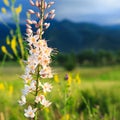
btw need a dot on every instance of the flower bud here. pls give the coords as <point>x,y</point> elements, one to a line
<point>34,22</point>
<point>52,16</point>
<point>31,11</point>
<point>42,32</point>
<point>46,16</point>
<point>46,25</point>
<point>40,4</point>
<point>38,32</point>
<point>50,4</point>
<point>28,26</point>
<point>38,14</point>
<point>29,31</point>
<point>52,11</point>
<point>29,21</point>
<point>66,77</point>
<point>40,22</point>
<point>31,2</point>
<point>45,5</point>
<point>37,3</point>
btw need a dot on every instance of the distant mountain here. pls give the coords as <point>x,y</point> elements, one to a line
<point>67,36</point>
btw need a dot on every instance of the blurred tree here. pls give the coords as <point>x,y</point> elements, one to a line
<point>86,57</point>
<point>70,63</point>
<point>118,56</point>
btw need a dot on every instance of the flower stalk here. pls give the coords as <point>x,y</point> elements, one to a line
<point>38,62</point>
<point>42,18</point>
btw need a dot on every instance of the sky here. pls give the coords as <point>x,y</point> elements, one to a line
<point>103,12</point>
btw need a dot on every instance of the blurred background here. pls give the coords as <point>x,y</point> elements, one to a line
<point>86,36</point>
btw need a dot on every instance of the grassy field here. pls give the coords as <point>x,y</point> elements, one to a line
<point>91,94</point>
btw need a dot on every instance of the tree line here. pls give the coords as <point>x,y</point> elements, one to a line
<point>84,58</point>
<point>88,58</point>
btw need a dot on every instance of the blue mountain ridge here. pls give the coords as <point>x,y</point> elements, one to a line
<point>68,36</point>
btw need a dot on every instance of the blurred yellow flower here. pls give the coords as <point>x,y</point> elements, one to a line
<point>6,2</point>
<point>8,40</point>
<point>3,10</point>
<point>56,78</point>
<point>18,9</point>
<point>78,80</point>
<point>4,50</point>
<point>14,45</point>
<point>2,87</point>
<point>69,79</point>
<point>66,117</point>
<point>10,92</point>
<point>47,110</point>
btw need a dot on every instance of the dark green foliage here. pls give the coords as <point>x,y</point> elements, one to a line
<point>87,58</point>
<point>68,61</point>
<point>96,104</point>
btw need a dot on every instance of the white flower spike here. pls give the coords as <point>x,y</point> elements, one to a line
<point>38,61</point>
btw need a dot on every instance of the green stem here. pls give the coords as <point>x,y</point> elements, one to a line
<point>36,92</point>
<point>36,116</point>
<point>16,19</point>
<point>3,61</point>
<point>42,18</point>
<point>20,40</point>
<point>65,101</point>
<point>41,29</point>
<point>38,68</point>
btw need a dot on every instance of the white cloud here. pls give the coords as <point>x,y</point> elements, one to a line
<point>88,10</point>
<point>96,11</point>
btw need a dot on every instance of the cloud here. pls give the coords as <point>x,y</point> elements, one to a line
<point>98,11</point>
<point>95,11</point>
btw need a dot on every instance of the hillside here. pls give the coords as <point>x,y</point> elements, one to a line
<point>67,36</point>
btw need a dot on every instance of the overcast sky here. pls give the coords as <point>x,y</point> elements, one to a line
<point>104,12</point>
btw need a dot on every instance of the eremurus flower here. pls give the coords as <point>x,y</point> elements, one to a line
<point>39,59</point>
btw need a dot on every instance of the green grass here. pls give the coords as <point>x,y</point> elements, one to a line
<point>95,98</point>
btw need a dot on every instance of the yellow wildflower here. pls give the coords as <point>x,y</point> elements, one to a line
<point>66,117</point>
<point>56,79</point>
<point>78,80</point>
<point>4,50</point>
<point>6,2</point>
<point>18,9</point>
<point>10,90</point>
<point>14,45</point>
<point>47,110</point>
<point>2,87</point>
<point>3,10</point>
<point>69,79</point>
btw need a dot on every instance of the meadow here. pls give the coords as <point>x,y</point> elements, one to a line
<point>89,93</point>
<point>85,93</point>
